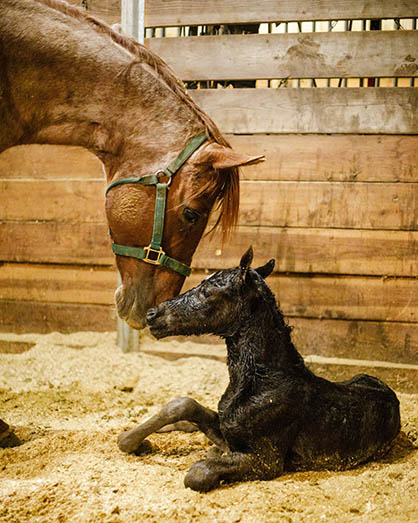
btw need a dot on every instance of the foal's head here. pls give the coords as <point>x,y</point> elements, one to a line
<point>217,306</point>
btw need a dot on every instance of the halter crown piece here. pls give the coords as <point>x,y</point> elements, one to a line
<point>154,253</point>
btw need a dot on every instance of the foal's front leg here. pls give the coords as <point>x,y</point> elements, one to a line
<point>207,474</point>
<point>181,409</point>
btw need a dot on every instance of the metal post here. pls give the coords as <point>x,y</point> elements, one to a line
<point>133,18</point>
<point>133,24</point>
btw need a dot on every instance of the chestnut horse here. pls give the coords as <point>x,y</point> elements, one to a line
<point>67,78</point>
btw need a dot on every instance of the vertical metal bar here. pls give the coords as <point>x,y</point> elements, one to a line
<point>133,23</point>
<point>133,18</point>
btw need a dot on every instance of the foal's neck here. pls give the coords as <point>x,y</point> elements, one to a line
<point>262,344</point>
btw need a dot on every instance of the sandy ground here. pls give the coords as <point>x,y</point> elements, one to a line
<point>68,406</point>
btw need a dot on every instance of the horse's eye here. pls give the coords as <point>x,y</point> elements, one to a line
<point>191,215</point>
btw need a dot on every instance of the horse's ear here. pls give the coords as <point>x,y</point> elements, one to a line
<point>266,270</point>
<point>246,260</point>
<point>220,157</point>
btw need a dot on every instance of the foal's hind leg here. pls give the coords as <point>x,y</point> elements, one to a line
<point>181,409</point>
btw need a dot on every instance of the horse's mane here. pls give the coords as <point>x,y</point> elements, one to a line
<point>225,186</point>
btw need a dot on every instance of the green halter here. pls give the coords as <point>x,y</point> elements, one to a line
<point>154,253</point>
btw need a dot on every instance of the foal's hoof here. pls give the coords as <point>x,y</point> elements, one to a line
<point>7,437</point>
<point>144,448</point>
<point>127,442</point>
<point>201,478</point>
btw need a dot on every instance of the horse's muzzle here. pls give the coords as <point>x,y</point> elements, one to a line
<point>130,308</point>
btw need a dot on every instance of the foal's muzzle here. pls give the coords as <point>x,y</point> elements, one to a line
<point>158,322</point>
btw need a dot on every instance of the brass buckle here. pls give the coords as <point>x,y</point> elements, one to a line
<point>154,260</point>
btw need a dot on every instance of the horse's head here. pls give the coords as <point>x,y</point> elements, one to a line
<point>209,175</point>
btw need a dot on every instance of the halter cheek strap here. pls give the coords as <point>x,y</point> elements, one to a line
<point>154,253</point>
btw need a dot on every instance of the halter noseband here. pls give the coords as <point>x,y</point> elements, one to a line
<point>154,253</point>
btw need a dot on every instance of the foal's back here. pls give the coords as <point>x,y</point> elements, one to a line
<point>344,424</point>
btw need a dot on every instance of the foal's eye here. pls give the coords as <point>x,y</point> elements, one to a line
<point>191,215</point>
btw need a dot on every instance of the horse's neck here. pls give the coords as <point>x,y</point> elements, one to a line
<point>262,345</point>
<point>68,84</point>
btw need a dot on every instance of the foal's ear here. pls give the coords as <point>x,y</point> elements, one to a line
<point>265,270</point>
<point>220,157</point>
<point>246,260</point>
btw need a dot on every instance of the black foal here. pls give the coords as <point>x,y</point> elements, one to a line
<point>275,414</point>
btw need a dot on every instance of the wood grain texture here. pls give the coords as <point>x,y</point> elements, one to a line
<point>60,200</point>
<point>359,205</point>
<point>329,251</point>
<point>363,158</point>
<point>345,158</point>
<point>50,162</point>
<point>56,242</point>
<point>306,55</point>
<point>42,317</point>
<point>394,342</point>
<point>356,339</point>
<point>107,10</point>
<point>345,297</point>
<point>322,111</point>
<point>160,13</point>
<point>326,297</point>
<point>330,204</point>
<point>57,283</point>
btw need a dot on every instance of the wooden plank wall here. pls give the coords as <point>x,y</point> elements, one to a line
<point>336,202</point>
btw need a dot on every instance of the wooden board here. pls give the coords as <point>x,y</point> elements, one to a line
<point>395,342</point>
<point>43,317</point>
<point>107,10</point>
<point>160,13</point>
<point>329,251</point>
<point>339,205</point>
<point>281,204</point>
<point>324,111</point>
<point>349,158</point>
<point>55,242</point>
<point>306,55</point>
<point>345,297</point>
<point>369,340</point>
<point>288,157</point>
<point>358,298</point>
<point>50,161</point>
<point>57,283</point>
<point>57,200</point>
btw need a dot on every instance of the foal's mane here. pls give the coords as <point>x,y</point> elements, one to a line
<point>226,185</point>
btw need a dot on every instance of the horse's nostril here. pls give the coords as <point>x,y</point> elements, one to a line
<point>152,314</point>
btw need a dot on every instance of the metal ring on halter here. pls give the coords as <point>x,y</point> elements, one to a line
<point>159,172</point>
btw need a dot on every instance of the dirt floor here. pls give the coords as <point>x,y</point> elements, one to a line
<point>68,405</point>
